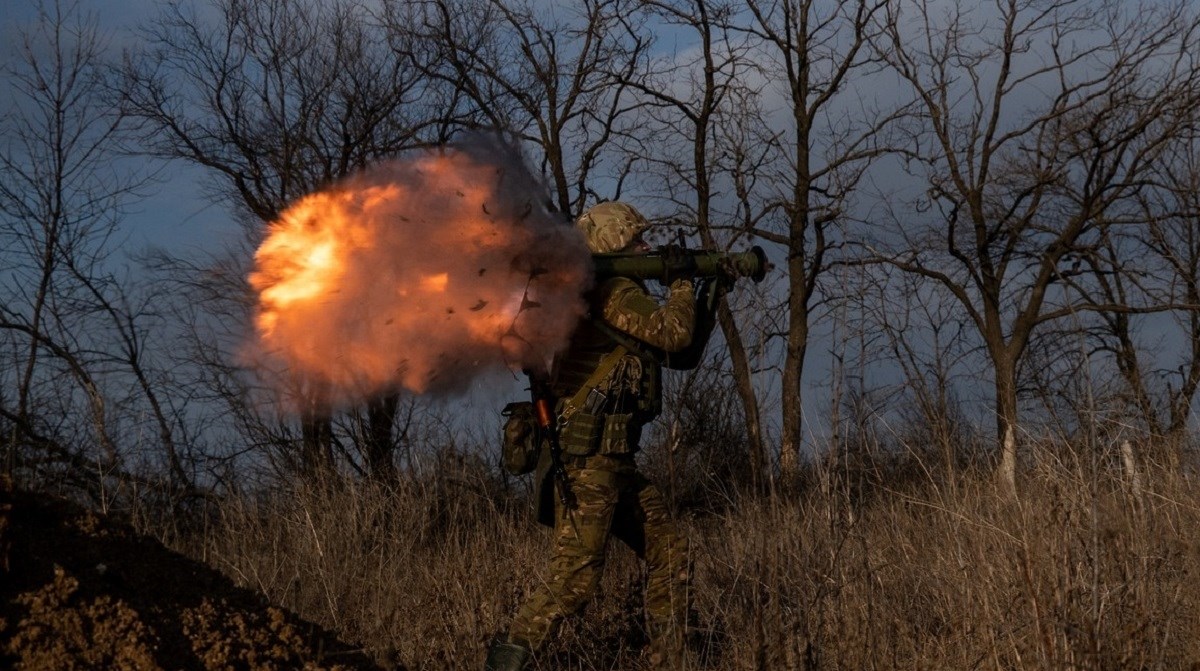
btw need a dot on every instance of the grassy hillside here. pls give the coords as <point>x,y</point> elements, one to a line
<point>879,568</point>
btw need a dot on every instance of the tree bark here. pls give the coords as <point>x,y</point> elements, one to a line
<point>381,414</point>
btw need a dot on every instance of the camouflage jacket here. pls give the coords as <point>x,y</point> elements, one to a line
<point>631,392</point>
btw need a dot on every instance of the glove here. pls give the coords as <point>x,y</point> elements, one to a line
<point>678,264</point>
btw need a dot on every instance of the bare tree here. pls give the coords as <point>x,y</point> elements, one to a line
<point>1173,235</point>
<point>73,334</point>
<point>1152,266</point>
<point>1034,123</point>
<point>812,50</point>
<point>922,337</point>
<point>696,104</point>
<point>274,99</point>
<point>557,77</point>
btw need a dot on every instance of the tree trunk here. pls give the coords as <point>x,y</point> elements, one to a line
<point>1173,443</point>
<point>316,440</point>
<point>381,413</point>
<point>745,390</point>
<point>1006,422</point>
<point>793,370</point>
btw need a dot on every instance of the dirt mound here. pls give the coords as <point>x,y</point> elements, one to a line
<point>79,591</point>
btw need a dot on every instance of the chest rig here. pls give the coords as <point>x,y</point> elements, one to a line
<point>609,390</point>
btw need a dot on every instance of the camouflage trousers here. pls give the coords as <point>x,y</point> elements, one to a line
<point>612,499</point>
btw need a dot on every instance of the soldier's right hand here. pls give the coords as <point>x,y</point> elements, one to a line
<point>678,264</point>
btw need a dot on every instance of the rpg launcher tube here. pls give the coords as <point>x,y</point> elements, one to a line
<point>697,263</point>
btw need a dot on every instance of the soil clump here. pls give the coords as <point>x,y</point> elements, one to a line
<point>80,590</point>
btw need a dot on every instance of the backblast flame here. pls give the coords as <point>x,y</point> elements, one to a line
<point>418,274</point>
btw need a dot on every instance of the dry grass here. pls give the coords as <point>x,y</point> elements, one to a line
<point>908,573</point>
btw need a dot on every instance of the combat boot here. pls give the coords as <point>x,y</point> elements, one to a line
<point>507,654</point>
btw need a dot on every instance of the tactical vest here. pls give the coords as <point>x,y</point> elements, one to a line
<point>611,419</point>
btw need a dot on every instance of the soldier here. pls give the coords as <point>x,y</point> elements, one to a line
<point>607,359</point>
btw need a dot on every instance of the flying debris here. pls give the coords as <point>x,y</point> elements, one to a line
<point>337,258</point>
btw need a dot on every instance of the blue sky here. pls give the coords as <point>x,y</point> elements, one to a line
<point>179,217</point>
<point>176,215</point>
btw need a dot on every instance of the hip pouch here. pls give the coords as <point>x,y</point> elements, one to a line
<point>587,434</point>
<point>521,439</point>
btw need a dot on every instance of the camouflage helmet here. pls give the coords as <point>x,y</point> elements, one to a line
<point>609,227</point>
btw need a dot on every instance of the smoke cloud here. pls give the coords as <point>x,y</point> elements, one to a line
<point>419,274</point>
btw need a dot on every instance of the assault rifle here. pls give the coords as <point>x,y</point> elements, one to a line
<point>544,414</point>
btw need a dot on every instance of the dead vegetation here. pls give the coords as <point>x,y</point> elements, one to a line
<point>896,572</point>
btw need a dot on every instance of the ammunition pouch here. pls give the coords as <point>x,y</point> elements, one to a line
<point>581,435</point>
<point>609,434</point>
<point>620,435</point>
<point>521,440</point>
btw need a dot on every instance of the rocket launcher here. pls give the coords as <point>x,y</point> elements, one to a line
<point>670,264</point>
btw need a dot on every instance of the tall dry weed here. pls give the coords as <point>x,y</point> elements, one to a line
<point>899,573</point>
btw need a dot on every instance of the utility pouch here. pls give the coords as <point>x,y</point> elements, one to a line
<point>521,438</point>
<point>595,402</point>
<point>581,435</point>
<point>620,435</point>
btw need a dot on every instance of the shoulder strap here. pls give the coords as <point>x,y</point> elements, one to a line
<point>688,358</point>
<point>644,351</point>
<point>602,370</point>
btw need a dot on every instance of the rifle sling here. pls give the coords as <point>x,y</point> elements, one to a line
<point>605,367</point>
<point>644,351</point>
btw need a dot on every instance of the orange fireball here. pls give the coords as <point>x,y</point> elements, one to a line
<point>418,274</point>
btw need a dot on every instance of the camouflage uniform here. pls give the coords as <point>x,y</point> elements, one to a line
<point>611,496</point>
